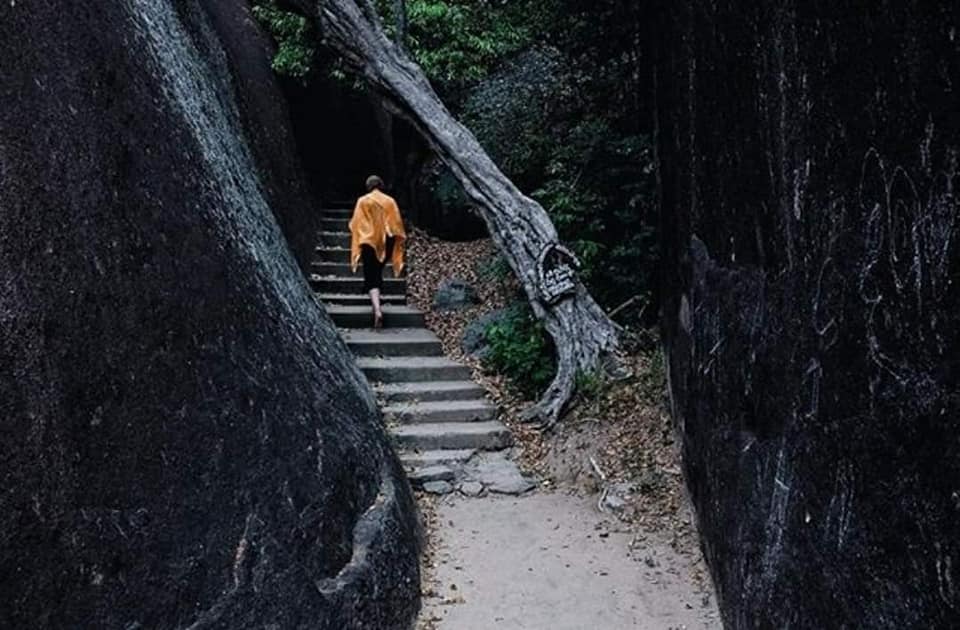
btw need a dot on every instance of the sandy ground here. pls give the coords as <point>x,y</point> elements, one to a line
<point>551,561</point>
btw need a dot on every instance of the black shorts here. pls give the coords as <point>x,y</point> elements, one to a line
<point>373,268</point>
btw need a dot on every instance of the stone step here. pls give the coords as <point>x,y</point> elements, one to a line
<point>412,369</point>
<point>478,410</point>
<point>393,342</point>
<point>487,436</point>
<point>444,416</point>
<point>429,391</point>
<point>362,316</point>
<point>359,299</point>
<point>344,270</point>
<point>423,459</point>
<point>336,224</point>
<point>334,284</point>
<point>332,254</point>
<point>426,474</point>
<point>338,213</point>
<point>338,239</point>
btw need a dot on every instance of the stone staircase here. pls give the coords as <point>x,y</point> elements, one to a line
<point>438,416</point>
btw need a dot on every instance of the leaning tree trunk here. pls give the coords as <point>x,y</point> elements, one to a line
<point>584,336</point>
<point>400,23</point>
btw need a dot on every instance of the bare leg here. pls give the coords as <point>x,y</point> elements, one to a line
<point>377,311</point>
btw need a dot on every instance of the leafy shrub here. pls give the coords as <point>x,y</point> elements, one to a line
<point>458,42</point>
<point>494,268</point>
<point>520,349</point>
<point>513,113</point>
<point>293,33</point>
<point>600,194</point>
<point>591,385</point>
<point>449,192</point>
<point>536,118</point>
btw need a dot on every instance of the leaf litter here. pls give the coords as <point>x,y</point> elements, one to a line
<point>616,442</point>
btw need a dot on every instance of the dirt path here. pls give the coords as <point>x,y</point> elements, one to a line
<point>551,561</point>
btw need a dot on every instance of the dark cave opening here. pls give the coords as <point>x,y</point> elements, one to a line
<point>336,135</point>
<point>344,133</point>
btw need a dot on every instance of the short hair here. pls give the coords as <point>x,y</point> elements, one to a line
<point>374,182</point>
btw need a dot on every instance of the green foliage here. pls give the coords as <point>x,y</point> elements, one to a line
<point>448,190</point>
<point>553,91</point>
<point>570,136</point>
<point>513,114</point>
<point>591,385</point>
<point>456,42</point>
<point>520,349</point>
<point>293,33</point>
<point>652,381</point>
<point>494,268</point>
<point>599,191</point>
<point>600,194</point>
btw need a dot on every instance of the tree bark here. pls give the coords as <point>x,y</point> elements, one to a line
<point>584,336</point>
<point>400,23</point>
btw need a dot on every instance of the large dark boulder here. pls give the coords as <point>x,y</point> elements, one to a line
<point>184,438</point>
<point>812,330</point>
<point>244,64</point>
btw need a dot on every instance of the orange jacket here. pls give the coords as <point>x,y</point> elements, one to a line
<point>375,218</point>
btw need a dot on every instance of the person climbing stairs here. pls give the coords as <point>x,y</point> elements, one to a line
<point>438,416</point>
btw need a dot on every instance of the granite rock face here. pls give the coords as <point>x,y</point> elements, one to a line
<point>184,438</point>
<point>244,64</point>
<point>809,167</point>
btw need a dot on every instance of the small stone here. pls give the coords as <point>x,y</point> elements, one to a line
<point>617,496</point>
<point>614,502</point>
<point>514,486</point>
<point>471,488</point>
<point>438,487</point>
<point>454,294</point>
<point>498,474</point>
<point>424,475</point>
